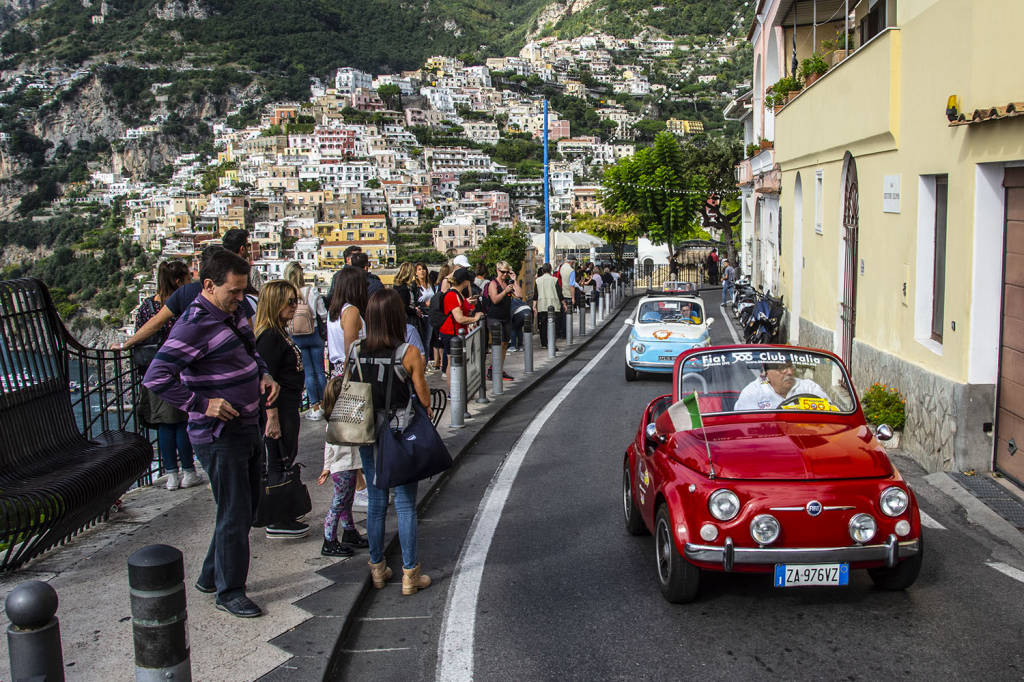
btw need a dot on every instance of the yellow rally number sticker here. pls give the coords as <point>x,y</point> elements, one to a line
<point>815,404</point>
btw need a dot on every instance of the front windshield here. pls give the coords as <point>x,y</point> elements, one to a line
<point>766,380</point>
<point>670,310</point>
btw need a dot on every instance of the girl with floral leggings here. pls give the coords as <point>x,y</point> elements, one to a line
<point>341,464</point>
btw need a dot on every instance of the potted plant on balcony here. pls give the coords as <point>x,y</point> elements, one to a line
<point>813,68</point>
<point>788,86</point>
<point>765,144</point>
<point>835,49</point>
<point>753,149</point>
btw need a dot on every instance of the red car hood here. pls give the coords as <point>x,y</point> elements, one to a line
<point>790,451</point>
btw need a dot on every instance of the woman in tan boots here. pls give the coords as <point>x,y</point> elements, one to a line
<point>385,351</point>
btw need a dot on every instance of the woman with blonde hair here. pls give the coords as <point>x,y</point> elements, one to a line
<point>443,284</point>
<point>305,332</point>
<point>274,310</point>
<point>405,285</point>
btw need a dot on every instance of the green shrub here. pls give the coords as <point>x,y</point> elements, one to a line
<point>884,405</point>
<point>814,64</point>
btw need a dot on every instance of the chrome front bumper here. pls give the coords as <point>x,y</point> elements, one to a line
<point>890,552</point>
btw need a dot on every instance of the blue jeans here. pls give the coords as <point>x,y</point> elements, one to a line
<point>174,446</point>
<point>727,290</point>
<point>377,509</point>
<point>233,464</point>
<point>312,347</point>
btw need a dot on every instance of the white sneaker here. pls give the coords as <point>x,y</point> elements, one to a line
<point>190,478</point>
<point>315,415</point>
<point>172,480</point>
<point>360,500</point>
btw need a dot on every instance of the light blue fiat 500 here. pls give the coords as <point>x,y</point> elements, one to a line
<point>663,327</point>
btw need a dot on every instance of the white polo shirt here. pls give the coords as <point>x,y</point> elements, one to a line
<point>759,394</point>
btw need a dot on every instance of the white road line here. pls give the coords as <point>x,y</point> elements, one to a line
<point>1005,569</point>
<point>728,323</point>
<point>929,522</point>
<point>455,645</point>
<point>395,618</point>
<point>375,651</point>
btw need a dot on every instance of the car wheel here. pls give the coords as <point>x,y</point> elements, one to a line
<point>902,575</point>
<point>634,522</point>
<point>677,577</point>
<point>631,373</point>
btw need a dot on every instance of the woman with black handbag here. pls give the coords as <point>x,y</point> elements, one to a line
<point>170,422</point>
<point>276,306</point>
<point>396,371</point>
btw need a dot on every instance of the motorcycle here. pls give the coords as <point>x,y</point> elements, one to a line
<point>762,325</point>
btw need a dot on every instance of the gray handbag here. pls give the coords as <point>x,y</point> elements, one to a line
<point>352,421</point>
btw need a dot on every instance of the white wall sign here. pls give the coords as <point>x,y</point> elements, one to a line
<point>891,194</point>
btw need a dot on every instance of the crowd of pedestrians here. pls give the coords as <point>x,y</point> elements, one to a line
<point>226,359</point>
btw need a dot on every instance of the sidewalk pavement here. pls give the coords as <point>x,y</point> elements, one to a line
<point>308,599</point>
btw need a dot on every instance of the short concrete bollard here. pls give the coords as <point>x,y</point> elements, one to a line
<point>528,344</point>
<point>481,396</point>
<point>156,576</point>
<point>494,327</point>
<point>568,324</point>
<point>551,331</point>
<point>593,313</point>
<point>457,369</point>
<point>600,306</point>
<point>583,320</point>
<point>33,637</point>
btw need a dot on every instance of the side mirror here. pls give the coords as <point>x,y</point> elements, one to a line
<point>883,432</point>
<point>653,437</point>
<point>628,322</point>
<point>709,321</point>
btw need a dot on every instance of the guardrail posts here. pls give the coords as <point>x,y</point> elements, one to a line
<point>33,637</point>
<point>156,576</point>
<point>494,327</point>
<point>457,360</point>
<point>528,344</point>
<point>481,398</point>
<point>568,323</point>
<point>551,331</point>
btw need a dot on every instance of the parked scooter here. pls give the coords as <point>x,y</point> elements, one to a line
<point>762,325</point>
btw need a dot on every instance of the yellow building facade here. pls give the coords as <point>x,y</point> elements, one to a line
<point>894,219</point>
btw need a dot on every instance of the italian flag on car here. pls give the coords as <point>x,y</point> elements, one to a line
<point>683,415</point>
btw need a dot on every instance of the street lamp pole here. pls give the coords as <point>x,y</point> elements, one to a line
<point>547,207</point>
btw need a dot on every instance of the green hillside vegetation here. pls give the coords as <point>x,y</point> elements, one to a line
<point>625,18</point>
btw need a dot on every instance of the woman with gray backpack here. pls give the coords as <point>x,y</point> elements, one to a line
<point>304,330</point>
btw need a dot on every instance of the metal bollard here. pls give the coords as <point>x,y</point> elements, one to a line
<point>33,637</point>
<point>528,344</point>
<point>583,320</point>
<point>494,327</point>
<point>457,369</point>
<point>593,313</point>
<point>481,397</point>
<point>551,331</point>
<point>156,576</point>
<point>600,305</point>
<point>568,324</point>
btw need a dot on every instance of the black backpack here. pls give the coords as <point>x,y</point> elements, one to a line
<point>436,311</point>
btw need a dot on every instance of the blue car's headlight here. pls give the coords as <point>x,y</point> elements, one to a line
<point>637,347</point>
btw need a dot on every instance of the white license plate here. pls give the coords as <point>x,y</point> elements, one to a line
<point>667,357</point>
<point>808,575</point>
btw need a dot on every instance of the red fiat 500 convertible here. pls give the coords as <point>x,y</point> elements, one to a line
<point>761,461</point>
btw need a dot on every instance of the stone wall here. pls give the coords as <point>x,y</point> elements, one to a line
<point>949,424</point>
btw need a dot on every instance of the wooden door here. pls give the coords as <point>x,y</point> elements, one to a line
<point>1009,443</point>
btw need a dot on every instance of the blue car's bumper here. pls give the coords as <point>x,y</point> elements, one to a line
<point>658,356</point>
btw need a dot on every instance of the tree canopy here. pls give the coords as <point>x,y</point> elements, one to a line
<point>654,186</point>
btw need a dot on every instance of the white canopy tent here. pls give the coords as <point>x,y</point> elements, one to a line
<point>564,243</point>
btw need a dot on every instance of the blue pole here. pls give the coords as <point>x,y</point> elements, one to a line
<point>547,207</point>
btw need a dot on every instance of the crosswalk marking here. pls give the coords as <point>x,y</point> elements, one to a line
<point>1005,569</point>
<point>929,522</point>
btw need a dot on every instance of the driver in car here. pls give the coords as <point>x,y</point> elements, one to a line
<point>776,384</point>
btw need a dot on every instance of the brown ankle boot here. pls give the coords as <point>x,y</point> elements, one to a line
<point>380,573</point>
<point>413,580</point>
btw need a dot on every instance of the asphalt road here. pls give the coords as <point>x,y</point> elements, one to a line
<point>565,593</point>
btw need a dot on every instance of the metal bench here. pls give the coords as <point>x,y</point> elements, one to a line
<point>61,468</point>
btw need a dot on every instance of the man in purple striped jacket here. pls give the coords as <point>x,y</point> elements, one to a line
<point>208,367</point>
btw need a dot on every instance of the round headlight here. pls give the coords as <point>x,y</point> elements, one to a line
<point>765,529</point>
<point>862,528</point>
<point>638,347</point>
<point>724,505</point>
<point>894,501</point>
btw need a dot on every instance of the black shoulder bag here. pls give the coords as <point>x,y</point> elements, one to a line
<point>409,452</point>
